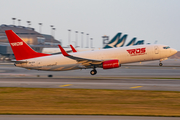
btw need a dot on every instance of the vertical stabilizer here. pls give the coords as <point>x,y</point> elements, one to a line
<point>20,49</point>
<point>117,41</point>
<point>113,41</point>
<point>121,41</point>
<point>140,42</point>
<point>132,42</point>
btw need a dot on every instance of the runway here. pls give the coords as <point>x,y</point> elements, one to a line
<point>87,83</point>
<point>139,76</point>
<point>128,77</point>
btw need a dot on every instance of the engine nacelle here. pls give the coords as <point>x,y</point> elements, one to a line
<point>110,64</point>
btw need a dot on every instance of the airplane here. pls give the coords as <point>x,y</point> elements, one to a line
<point>104,58</point>
<point>117,41</point>
<point>140,42</point>
<point>132,42</point>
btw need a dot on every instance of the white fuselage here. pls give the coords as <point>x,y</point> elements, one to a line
<point>129,54</point>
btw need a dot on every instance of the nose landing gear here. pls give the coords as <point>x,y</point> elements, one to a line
<point>160,64</point>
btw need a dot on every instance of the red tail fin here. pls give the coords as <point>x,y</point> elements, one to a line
<point>20,49</point>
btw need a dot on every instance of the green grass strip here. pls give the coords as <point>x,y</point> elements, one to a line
<point>58,101</point>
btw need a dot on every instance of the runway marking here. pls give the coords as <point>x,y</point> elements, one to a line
<point>136,87</point>
<point>65,85</point>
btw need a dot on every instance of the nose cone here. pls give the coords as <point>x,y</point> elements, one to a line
<point>173,51</point>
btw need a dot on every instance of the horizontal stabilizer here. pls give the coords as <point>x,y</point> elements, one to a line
<point>20,61</point>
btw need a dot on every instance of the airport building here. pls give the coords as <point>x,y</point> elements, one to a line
<point>36,40</point>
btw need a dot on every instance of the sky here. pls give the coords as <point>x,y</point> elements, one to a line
<point>149,20</point>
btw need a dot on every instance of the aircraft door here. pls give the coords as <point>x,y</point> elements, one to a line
<point>156,50</point>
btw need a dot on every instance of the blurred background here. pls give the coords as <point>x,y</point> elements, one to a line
<point>86,24</point>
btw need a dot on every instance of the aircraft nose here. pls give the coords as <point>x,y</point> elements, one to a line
<point>173,51</point>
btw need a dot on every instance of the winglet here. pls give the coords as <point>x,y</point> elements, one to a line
<point>63,51</point>
<point>73,49</point>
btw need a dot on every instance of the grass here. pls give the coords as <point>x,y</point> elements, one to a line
<point>88,102</point>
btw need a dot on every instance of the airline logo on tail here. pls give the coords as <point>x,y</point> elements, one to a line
<point>121,41</point>
<point>17,43</point>
<point>111,45</point>
<point>20,49</point>
<point>132,42</point>
<point>137,51</point>
<point>140,42</point>
<point>117,41</point>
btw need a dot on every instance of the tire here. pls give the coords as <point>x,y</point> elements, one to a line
<point>93,72</point>
<point>50,75</point>
<point>160,64</point>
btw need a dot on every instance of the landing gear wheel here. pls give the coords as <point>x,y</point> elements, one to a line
<point>160,64</point>
<point>93,72</point>
<point>50,75</point>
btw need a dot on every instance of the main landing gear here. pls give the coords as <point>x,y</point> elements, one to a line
<point>93,72</point>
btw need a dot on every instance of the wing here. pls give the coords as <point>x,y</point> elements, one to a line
<point>83,61</point>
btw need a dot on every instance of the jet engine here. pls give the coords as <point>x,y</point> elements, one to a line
<point>110,64</point>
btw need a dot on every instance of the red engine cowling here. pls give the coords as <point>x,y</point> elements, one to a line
<point>110,64</point>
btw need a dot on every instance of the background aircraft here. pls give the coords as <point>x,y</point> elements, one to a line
<point>140,42</point>
<point>116,41</point>
<point>132,42</point>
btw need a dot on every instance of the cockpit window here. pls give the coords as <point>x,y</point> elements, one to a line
<point>167,47</point>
